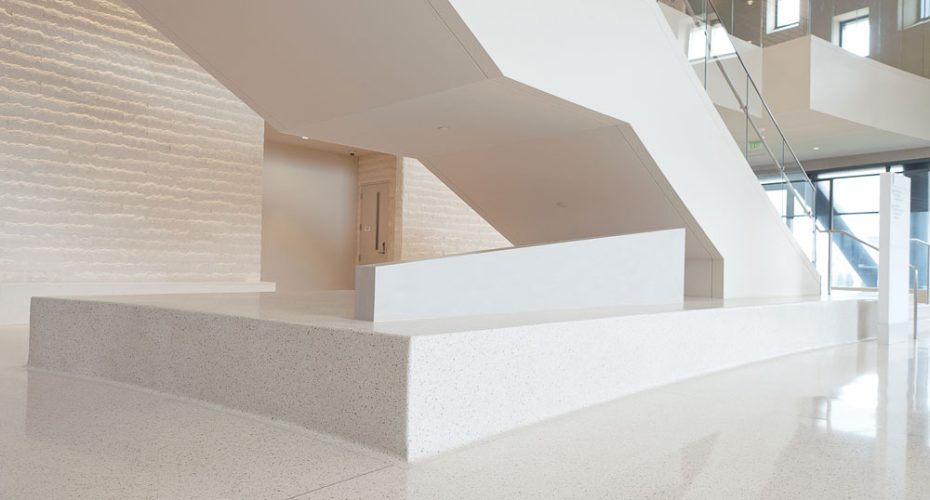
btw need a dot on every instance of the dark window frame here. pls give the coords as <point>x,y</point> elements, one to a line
<point>776,26</point>
<point>866,17</point>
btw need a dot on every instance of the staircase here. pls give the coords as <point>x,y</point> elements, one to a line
<point>553,120</point>
<point>728,79</point>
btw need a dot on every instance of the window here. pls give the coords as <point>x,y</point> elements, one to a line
<point>852,31</point>
<point>852,198</point>
<point>720,44</point>
<point>787,14</point>
<point>848,199</point>
<point>855,35</point>
<point>914,13</point>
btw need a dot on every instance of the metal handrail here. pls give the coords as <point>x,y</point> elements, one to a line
<point>851,236</point>
<point>762,100</point>
<point>926,244</point>
<point>745,106</point>
<point>914,275</point>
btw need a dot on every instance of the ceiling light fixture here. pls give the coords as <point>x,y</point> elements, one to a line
<point>816,148</point>
<point>304,137</point>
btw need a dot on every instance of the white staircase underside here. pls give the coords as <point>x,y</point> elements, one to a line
<point>553,120</point>
<point>842,104</point>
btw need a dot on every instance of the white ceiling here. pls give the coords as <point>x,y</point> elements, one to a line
<point>273,135</point>
<point>838,137</point>
<point>478,115</point>
<point>807,130</point>
<point>830,103</point>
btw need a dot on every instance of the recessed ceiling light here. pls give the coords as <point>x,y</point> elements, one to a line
<point>816,148</point>
<point>304,137</point>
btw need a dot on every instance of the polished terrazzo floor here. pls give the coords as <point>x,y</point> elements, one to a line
<point>844,422</point>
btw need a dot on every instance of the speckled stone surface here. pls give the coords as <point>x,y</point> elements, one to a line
<point>849,422</point>
<point>66,438</point>
<point>500,379</point>
<point>348,383</point>
<point>442,385</point>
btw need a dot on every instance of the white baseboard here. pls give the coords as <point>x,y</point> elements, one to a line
<point>15,297</point>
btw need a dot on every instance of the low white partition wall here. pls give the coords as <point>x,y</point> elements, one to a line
<point>634,269</point>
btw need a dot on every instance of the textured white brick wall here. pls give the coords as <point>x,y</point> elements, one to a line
<point>120,158</point>
<point>435,221</point>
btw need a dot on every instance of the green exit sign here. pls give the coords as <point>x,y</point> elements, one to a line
<point>755,145</point>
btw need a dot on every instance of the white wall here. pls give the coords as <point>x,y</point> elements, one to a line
<point>841,83</point>
<point>308,218</point>
<point>809,73</point>
<point>817,91</point>
<point>310,215</point>
<point>627,270</point>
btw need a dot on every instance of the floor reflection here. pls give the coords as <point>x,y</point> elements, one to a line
<point>845,422</point>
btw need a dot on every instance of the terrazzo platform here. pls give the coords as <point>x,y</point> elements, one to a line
<point>415,388</point>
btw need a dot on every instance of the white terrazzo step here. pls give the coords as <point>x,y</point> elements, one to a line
<point>413,389</point>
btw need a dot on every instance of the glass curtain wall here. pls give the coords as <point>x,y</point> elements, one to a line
<point>848,200</point>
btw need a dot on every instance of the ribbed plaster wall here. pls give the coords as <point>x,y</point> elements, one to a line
<point>435,221</point>
<point>120,158</point>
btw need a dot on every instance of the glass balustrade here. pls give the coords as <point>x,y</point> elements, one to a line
<point>724,40</point>
<point>894,32</point>
<point>730,70</point>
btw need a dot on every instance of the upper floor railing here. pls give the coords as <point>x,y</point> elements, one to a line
<point>896,33</point>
